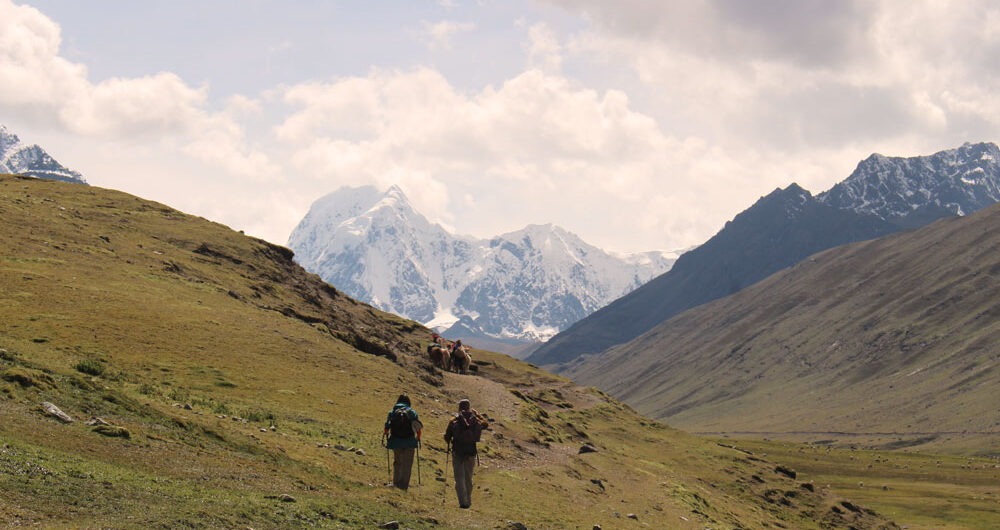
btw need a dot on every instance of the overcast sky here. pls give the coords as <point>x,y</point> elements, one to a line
<point>636,124</point>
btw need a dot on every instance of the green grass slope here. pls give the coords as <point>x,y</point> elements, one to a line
<point>228,377</point>
<point>896,338</point>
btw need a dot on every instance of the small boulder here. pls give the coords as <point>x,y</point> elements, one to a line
<point>512,525</point>
<point>284,497</point>
<point>392,525</point>
<point>96,421</point>
<point>187,406</point>
<point>360,452</point>
<point>596,527</point>
<point>340,447</point>
<point>53,410</point>
<point>587,448</point>
<point>633,516</point>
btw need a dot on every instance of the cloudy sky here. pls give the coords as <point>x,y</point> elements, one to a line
<point>637,124</point>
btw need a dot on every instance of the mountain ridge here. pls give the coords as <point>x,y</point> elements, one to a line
<point>784,227</point>
<point>526,284</point>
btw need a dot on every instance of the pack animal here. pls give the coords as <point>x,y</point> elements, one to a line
<point>460,359</point>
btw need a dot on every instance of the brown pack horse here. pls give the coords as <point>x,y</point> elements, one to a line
<point>438,354</point>
<point>460,359</point>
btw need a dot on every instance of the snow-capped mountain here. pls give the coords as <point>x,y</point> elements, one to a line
<point>21,159</point>
<point>913,191</point>
<point>526,285</point>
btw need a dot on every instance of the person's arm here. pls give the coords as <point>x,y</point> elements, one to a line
<point>483,422</point>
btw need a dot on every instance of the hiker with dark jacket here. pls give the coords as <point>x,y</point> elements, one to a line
<point>462,434</point>
<point>403,431</point>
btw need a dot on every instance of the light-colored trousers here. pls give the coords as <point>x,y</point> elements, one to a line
<point>402,465</point>
<point>463,466</point>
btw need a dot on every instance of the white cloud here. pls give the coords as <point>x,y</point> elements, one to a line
<point>544,49</point>
<point>438,35</point>
<point>538,143</point>
<point>36,80</point>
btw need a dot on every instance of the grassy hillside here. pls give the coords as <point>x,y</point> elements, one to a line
<point>229,378</point>
<point>897,338</point>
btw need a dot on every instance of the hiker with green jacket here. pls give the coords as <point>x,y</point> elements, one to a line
<point>402,429</point>
<point>462,434</point>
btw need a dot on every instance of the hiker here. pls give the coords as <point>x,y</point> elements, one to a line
<point>462,434</point>
<point>402,429</point>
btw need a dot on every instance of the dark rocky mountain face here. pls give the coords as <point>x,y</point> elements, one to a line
<point>882,196</point>
<point>778,231</point>
<point>914,191</point>
<point>20,159</point>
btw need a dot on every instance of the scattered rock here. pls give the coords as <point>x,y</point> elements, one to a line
<point>851,506</point>
<point>516,526</point>
<point>340,447</point>
<point>599,482</point>
<point>596,527</point>
<point>284,497</point>
<point>273,428</point>
<point>187,406</point>
<point>96,421</point>
<point>360,452</point>
<point>785,471</point>
<point>587,448</point>
<point>112,431</point>
<point>392,525</point>
<point>440,479</point>
<point>633,516</point>
<point>807,486</point>
<point>263,429</point>
<point>351,449</point>
<point>54,411</point>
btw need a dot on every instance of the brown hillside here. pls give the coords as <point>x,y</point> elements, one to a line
<point>896,336</point>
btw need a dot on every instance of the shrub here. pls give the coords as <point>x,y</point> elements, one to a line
<point>113,431</point>
<point>90,367</point>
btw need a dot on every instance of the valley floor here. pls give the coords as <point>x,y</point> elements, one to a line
<point>917,491</point>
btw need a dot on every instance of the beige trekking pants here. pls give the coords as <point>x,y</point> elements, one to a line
<point>402,465</point>
<point>463,466</point>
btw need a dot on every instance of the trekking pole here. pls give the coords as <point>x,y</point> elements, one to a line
<point>388,467</point>
<point>418,462</point>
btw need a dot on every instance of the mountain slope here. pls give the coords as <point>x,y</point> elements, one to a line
<point>776,232</point>
<point>229,376</point>
<point>525,285</point>
<point>881,196</point>
<point>16,157</point>
<point>898,334</point>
